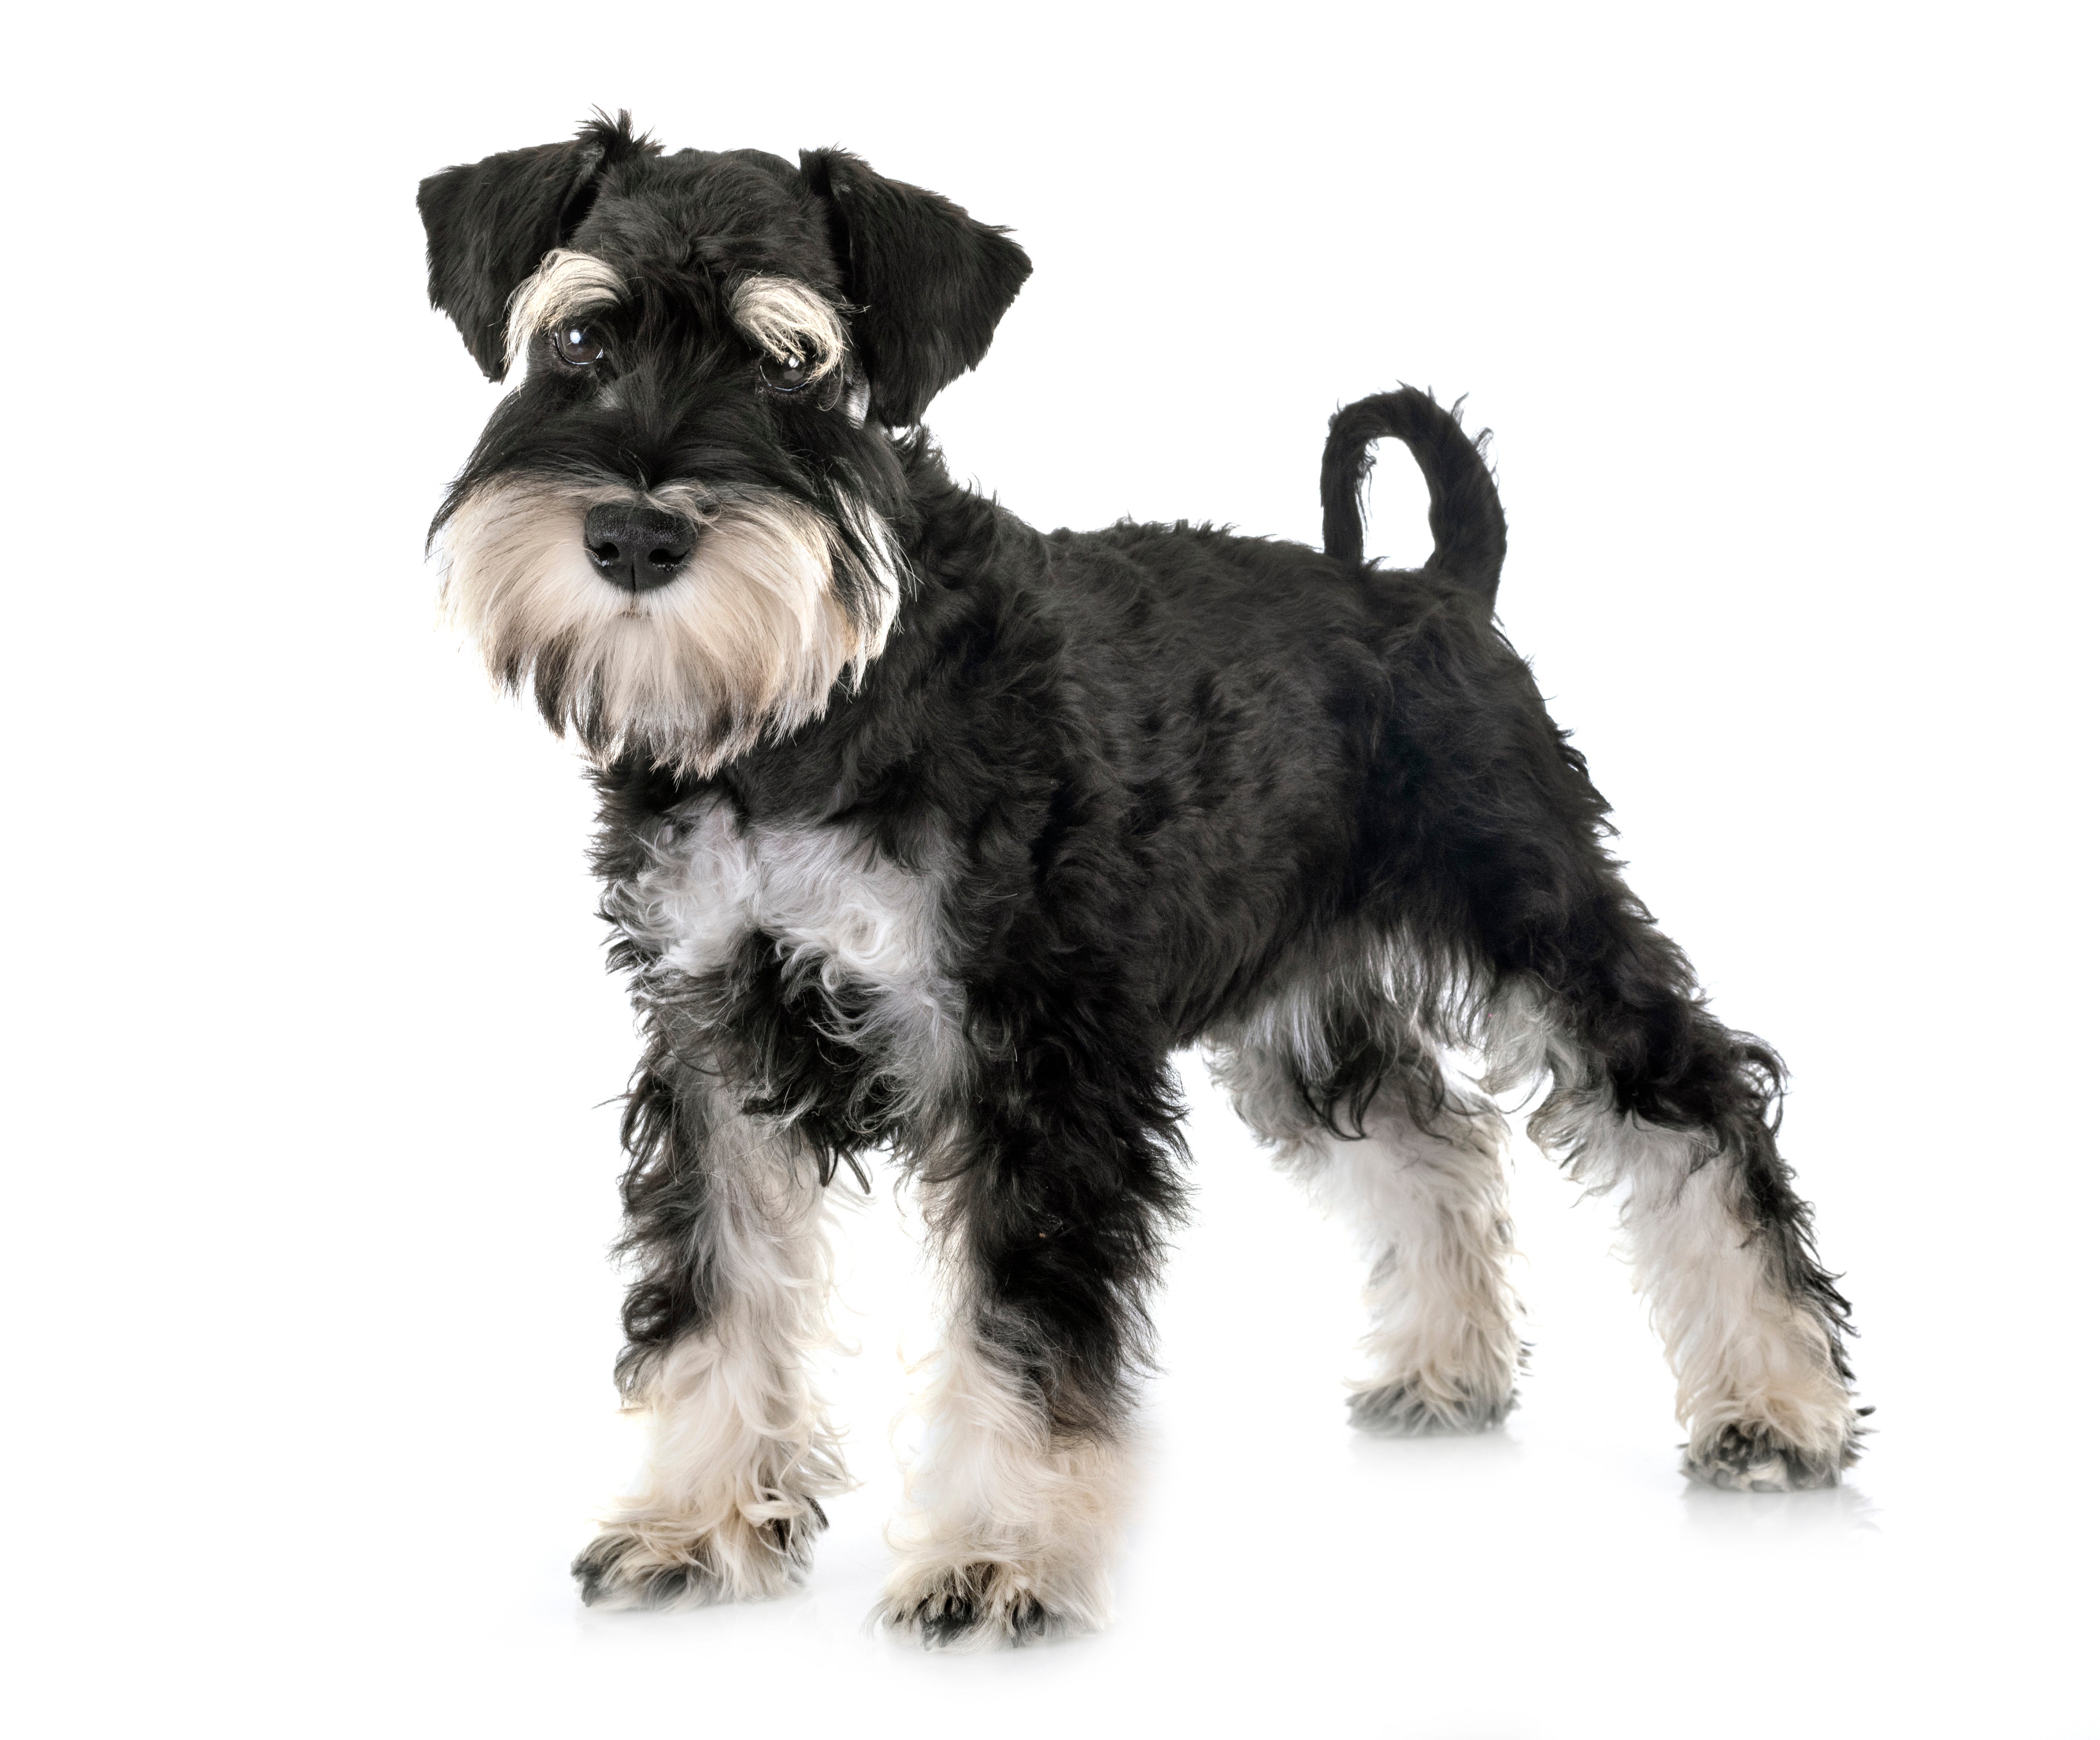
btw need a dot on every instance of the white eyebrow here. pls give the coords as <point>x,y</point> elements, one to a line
<point>788,319</point>
<point>566,284</point>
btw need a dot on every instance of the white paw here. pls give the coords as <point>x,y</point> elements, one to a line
<point>655,1563</point>
<point>1756,1458</point>
<point>985,1603</point>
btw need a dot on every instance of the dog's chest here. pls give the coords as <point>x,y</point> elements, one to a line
<point>830,907</point>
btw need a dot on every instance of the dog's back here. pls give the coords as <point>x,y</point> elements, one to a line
<point>1230,708</point>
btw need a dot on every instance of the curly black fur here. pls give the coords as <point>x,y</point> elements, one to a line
<point>1163,775</point>
<point>1176,763</point>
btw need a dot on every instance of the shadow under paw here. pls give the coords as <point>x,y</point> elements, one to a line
<point>1402,1410</point>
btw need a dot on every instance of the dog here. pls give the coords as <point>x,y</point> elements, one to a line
<point>923,831</point>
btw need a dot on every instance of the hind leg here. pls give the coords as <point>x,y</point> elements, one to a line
<point>1653,1098</point>
<point>1670,1109</point>
<point>1490,836</point>
<point>1415,1163</point>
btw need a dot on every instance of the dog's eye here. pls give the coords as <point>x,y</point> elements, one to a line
<point>790,376</point>
<point>577,345</point>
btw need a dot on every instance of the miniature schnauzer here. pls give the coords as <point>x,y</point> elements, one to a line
<point>924,830</point>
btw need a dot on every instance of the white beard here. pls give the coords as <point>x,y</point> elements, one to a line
<point>751,638</point>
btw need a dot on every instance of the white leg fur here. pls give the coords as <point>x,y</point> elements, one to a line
<point>1757,1387</point>
<point>1432,1207</point>
<point>1010,1530</point>
<point>740,1451</point>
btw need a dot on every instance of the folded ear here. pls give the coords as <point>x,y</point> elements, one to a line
<point>490,224</point>
<point>929,283</point>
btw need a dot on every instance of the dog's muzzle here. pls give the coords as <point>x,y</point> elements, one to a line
<point>637,547</point>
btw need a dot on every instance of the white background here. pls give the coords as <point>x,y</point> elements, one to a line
<point>1784,319</point>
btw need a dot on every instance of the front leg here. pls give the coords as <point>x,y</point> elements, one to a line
<point>1050,1211</point>
<point>724,1214</point>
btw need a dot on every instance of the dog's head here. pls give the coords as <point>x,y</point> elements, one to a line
<point>677,529</point>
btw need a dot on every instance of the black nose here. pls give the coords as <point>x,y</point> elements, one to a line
<point>636,547</point>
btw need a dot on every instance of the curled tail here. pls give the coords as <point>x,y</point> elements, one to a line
<point>1465,513</point>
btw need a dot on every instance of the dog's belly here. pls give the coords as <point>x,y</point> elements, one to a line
<point>820,905</point>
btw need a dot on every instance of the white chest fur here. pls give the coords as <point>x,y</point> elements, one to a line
<point>837,910</point>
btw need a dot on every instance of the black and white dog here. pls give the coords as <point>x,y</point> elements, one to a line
<point>924,830</point>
